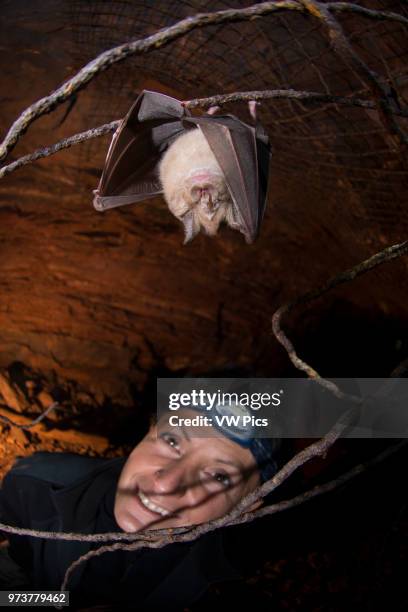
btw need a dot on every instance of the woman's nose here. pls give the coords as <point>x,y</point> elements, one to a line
<point>176,479</point>
<point>171,479</point>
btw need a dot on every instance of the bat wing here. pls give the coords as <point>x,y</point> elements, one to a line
<point>130,173</point>
<point>244,155</point>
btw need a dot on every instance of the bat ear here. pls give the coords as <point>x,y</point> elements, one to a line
<point>191,226</point>
<point>232,218</point>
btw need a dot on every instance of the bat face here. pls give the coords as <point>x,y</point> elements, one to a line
<point>194,185</point>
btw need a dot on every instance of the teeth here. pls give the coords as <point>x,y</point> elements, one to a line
<point>151,506</point>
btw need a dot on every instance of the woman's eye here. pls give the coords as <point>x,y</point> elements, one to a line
<point>222,478</point>
<point>170,440</point>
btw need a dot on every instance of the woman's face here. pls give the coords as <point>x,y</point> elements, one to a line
<point>173,478</point>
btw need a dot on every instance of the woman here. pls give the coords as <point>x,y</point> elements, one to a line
<point>172,478</point>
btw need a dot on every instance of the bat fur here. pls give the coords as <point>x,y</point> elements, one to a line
<point>194,186</point>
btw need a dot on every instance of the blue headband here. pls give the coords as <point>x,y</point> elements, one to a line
<point>265,450</point>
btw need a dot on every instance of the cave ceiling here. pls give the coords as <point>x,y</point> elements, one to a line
<point>105,299</point>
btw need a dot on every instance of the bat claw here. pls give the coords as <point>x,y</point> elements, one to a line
<point>213,109</point>
<point>252,104</point>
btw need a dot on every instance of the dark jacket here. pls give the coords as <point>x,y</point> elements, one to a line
<point>66,492</point>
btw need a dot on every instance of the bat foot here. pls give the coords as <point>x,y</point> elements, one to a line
<point>213,109</point>
<point>252,104</point>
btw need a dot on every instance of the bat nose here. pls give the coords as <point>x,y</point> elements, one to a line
<point>206,198</point>
<point>202,192</point>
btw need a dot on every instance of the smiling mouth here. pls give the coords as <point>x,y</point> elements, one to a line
<point>147,503</point>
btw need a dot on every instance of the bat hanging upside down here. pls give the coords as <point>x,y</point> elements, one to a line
<point>194,185</point>
<point>210,169</point>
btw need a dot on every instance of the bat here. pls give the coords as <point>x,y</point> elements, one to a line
<point>194,185</point>
<point>210,168</point>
